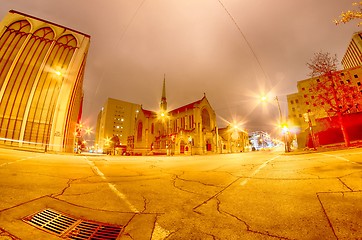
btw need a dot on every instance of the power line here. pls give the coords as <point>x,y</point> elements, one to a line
<point>120,39</point>
<point>243,35</point>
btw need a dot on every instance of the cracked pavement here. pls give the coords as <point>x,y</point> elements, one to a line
<point>256,195</point>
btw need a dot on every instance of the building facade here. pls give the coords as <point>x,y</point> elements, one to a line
<point>41,80</point>
<point>117,118</point>
<point>353,56</point>
<point>233,140</point>
<point>187,130</point>
<point>315,126</point>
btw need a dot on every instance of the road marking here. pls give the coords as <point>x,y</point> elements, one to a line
<point>338,157</point>
<point>112,187</point>
<point>16,161</point>
<point>158,233</point>
<point>245,181</point>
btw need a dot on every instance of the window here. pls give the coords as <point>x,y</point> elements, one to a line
<point>307,103</point>
<point>305,96</point>
<point>341,82</point>
<point>318,80</point>
<point>291,102</point>
<point>355,76</point>
<point>297,101</point>
<point>359,84</point>
<point>342,74</point>
<point>139,132</point>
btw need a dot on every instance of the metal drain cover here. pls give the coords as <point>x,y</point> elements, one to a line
<point>70,227</point>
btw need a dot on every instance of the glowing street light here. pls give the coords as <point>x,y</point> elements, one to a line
<point>284,127</point>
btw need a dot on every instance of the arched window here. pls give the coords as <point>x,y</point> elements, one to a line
<point>205,120</point>
<point>10,44</point>
<point>47,90</point>
<point>139,132</point>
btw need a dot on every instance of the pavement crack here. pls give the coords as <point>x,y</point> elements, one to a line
<point>69,183</point>
<point>248,227</point>
<point>326,215</point>
<point>181,189</point>
<point>345,184</point>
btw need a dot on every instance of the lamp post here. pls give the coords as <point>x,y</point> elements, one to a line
<point>285,130</point>
<point>284,127</point>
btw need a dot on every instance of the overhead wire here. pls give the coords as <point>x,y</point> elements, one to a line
<point>119,40</point>
<point>245,39</point>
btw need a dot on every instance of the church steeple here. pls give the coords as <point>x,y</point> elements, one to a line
<point>163,104</point>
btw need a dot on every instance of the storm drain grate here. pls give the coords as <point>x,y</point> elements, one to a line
<point>72,228</point>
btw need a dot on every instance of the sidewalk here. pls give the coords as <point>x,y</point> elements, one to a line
<point>326,148</point>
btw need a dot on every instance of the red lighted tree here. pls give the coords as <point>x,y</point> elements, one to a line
<point>332,94</point>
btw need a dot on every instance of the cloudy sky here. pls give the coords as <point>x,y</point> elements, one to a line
<point>232,50</point>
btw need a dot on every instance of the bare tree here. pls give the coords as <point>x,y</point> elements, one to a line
<point>333,95</point>
<point>351,14</point>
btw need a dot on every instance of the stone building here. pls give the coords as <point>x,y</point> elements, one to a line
<point>189,129</point>
<point>233,140</point>
<point>41,83</point>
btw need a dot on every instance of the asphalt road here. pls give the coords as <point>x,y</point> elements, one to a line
<point>256,195</point>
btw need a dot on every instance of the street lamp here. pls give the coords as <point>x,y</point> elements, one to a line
<point>284,127</point>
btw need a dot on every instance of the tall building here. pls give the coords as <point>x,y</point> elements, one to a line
<point>189,129</point>
<point>306,115</point>
<point>41,78</point>
<point>116,119</point>
<point>353,56</point>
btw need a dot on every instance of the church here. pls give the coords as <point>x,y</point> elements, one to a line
<point>187,130</point>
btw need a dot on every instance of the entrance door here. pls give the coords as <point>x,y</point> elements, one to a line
<point>208,146</point>
<point>182,147</point>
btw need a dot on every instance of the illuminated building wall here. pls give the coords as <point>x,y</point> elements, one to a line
<point>117,118</point>
<point>41,77</point>
<point>302,104</point>
<point>190,129</point>
<point>353,56</point>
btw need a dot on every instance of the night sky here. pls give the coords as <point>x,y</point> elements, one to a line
<point>232,50</point>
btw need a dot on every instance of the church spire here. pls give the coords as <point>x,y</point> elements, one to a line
<point>163,97</point>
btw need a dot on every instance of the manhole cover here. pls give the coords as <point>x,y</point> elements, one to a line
<point>70,227</point>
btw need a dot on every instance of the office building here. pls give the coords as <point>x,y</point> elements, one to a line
<point>116,119</point>
<point>41,80</point>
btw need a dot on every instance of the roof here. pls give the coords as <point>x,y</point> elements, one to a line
<point>148,113</point>
<point>26,15</point>
<point>188,106</point>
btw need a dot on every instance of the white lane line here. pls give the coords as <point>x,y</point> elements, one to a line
<point>113,187</point>
<point>158,233</point>
<point>16,161</point>
<point>245,181</point>
<point>338,157</point>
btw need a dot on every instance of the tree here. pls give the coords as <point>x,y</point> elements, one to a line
<point>333,95</point>
<point>350,14</point>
